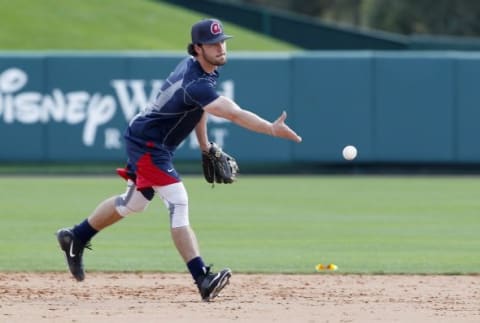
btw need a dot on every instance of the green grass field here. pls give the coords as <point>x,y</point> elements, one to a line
<point>268,224</point>
<point>110,25</point>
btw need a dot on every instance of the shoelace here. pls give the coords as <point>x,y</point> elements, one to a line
<point>208,269</point>
<point>207,272</point>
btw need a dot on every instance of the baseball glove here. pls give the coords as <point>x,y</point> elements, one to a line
<point>218,166</point>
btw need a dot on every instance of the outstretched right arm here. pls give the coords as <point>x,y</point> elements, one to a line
<point>225,108</point>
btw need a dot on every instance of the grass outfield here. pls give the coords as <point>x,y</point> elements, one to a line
<point>260,224</point>
<point>110,25</point>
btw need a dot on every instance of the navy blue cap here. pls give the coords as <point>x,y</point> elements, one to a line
<point>208,31</point>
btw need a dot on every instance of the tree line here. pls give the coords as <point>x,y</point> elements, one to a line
<point>433,17</point>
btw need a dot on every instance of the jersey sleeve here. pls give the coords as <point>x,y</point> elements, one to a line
<point>201,93</point>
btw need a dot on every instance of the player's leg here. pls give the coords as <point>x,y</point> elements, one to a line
<point>176,199</point>
<point>74,240</point>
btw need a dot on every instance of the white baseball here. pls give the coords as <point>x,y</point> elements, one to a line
<point>349,152</point>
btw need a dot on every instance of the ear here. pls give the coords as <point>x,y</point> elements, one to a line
<point>197,48</point>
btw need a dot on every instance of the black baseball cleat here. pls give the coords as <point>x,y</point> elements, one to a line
<point>211,284</point>
<point>73,249</point>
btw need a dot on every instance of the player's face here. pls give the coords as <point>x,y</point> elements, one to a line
<point>215,54</point>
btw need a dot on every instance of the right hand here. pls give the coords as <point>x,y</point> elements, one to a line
<point>280,129</point>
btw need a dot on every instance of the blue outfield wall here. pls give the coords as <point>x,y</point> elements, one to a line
<point>412,107</point>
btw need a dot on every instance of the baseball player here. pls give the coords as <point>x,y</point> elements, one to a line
<point>181,106</point>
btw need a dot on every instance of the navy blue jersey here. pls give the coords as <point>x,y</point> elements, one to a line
<point>178,107</point>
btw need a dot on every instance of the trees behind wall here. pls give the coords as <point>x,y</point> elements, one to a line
<point>434,17</point>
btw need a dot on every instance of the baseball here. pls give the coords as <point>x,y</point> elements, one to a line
<point>349,152</point>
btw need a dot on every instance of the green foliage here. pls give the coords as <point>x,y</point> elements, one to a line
<point>438,17</point>
<point>109,25</point>
<point>448,17</point>
<point>259,224</point>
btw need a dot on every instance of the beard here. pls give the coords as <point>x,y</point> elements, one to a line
<point>215,60</point>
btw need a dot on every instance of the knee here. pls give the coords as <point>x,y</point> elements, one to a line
<point>176,200</point>
<point>178,210</point>
<point>179,215</point>
<point>133,201</point>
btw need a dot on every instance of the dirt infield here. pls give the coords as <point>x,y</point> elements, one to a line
<point>158,297</point>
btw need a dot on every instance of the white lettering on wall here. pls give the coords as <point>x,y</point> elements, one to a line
<point>91,110</point>
<point>113,138</point>
<point>131,104</point>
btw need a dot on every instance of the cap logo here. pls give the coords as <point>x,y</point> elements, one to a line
<point>215,28</point>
